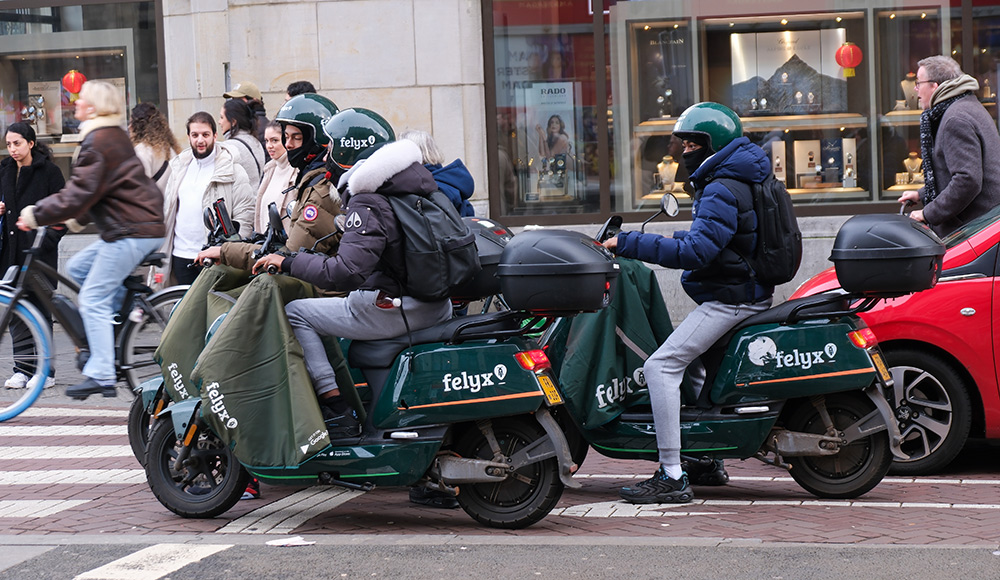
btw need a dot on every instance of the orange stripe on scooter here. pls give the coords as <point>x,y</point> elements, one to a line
<point>822,376</point>
<point>487,400</point>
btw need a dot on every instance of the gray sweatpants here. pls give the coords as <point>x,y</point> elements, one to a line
<point>356,317</point>
<point>664,369</point>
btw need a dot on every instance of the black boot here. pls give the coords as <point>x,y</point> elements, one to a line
<point>705,471</point>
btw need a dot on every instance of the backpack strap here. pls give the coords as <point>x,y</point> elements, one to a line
<point>252,156</point>
<point>159,173</point>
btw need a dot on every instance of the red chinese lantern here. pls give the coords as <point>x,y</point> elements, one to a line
<point>73,82</point>
<point>848,56</point>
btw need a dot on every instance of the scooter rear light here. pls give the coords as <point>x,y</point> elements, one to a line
<point>533,360</point>
<point>863,338</point>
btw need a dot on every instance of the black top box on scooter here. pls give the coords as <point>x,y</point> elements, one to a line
<point>886,255</point>
<point>491,238</point>
<point>556,271</point>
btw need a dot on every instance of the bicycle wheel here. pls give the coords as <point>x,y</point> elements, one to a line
<point>27,329</point>
<point>139,340</point>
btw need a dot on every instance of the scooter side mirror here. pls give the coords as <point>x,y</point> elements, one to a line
<point>209,219</point>
<point>290,208</point>
<point>669,205</point>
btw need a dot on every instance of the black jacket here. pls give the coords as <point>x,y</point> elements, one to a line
<point>370,256</point>
<point>35,181</point>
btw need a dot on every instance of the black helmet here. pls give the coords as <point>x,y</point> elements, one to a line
<point>353,132</point>
<point>717,122</point>
<point>307,112</point>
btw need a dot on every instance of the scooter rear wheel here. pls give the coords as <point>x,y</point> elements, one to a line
<point>526,495</point>
<point>858,467</point>
<point>211,481</point>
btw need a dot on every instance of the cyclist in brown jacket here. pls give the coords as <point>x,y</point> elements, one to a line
<point>109,187</point>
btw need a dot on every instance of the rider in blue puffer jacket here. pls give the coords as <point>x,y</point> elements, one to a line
<point>723,229</point>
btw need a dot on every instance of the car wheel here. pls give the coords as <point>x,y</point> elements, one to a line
<point>931,403</point>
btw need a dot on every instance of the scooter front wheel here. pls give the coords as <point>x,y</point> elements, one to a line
<point>140,423</point>
<point>858,467</point>
<point>526,495</point>
<point>210,482</point>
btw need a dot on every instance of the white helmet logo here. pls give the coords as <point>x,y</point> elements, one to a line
<point>354,220</point>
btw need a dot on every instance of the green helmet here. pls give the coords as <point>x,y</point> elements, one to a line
<point>718,122</point>
<point>308,112</point>
<point>352,132</point>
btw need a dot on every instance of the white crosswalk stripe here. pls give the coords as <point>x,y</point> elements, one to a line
<point>72,412</point>
<point>36,508</point>
<point>283,516</point>
<point>62,430</point>
<point>153,562</point>
<point>70,452</point>
<point>73,477</point>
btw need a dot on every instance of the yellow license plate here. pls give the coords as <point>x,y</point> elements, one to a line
<point>551,393</point>
<point>880,365</point>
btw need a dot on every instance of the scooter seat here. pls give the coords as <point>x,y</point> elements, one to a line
<point>380,354</point>
<point>798,309</point>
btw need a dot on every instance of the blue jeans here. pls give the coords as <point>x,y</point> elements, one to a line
<point>101,269</point>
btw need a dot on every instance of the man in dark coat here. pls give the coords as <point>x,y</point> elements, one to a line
<point>715,275</point>
<point>959,145</point>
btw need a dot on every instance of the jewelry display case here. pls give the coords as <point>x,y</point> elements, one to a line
<point>813,90</point>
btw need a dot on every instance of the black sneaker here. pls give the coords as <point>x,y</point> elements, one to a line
<point>432,498</point>
<point>659,489</point>
<point>90,387</point>
<point>706,471</point>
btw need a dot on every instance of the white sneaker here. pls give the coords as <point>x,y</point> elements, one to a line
<point>49,382</point>
<point>17,381</point>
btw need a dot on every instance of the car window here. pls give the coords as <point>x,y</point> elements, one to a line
<point>972,228</point>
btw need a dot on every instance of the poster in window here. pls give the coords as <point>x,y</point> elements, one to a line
<point>664,71</point>
<point>789,72</point>
<point>49,92</point>
<point>549,130</point>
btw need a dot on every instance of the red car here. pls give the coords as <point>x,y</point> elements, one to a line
<point>941,345</point>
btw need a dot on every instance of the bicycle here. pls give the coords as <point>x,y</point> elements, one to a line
<point>138,325</point>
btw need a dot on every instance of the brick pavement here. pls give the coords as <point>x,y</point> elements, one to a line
<point>961,507</point>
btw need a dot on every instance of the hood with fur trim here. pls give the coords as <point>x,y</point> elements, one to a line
<point>395,168</point>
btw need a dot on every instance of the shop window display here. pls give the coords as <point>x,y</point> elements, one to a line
<point>546,109</point>
<point>832,111</point>
<point>46,54</point>
<point>912,35</point>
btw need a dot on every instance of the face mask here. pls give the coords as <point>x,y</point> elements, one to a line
<point>694,159</point>
<point>303,156</point>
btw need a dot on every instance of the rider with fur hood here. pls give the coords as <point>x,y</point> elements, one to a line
<point>369,263</point>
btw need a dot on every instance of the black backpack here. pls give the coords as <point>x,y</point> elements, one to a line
<point>440,250</point>
<point>779,240</point>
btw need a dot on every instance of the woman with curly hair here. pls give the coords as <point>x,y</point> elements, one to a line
<point>154,142</point>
